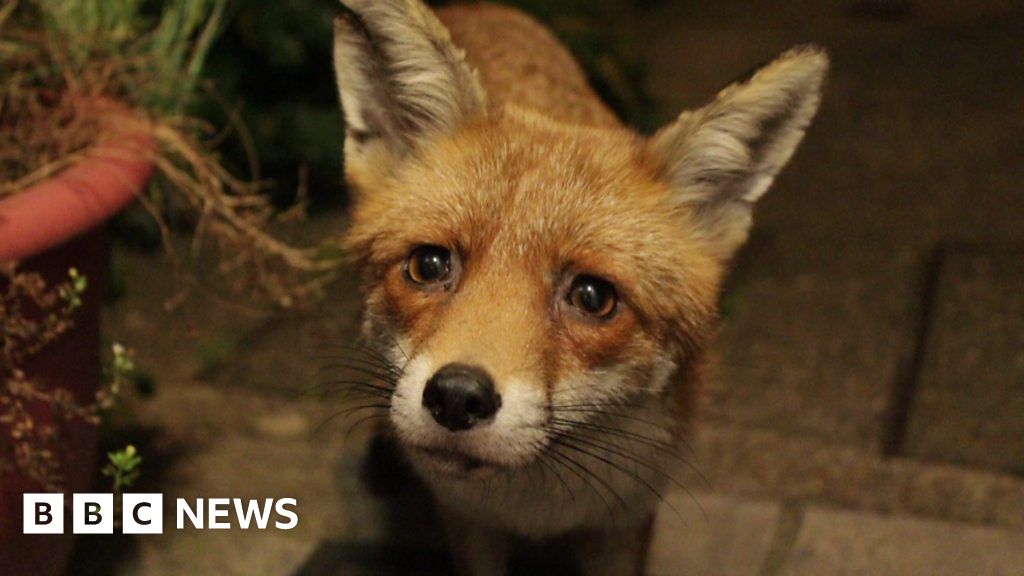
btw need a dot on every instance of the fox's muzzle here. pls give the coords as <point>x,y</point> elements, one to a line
<point>460,396</point>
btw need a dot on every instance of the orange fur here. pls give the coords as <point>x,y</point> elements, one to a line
<point>520,62</point>
<point>482,137</point>
<point>493,194</point>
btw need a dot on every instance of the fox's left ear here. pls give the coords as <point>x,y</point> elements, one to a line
<point>721,158</point>
<point>401,80</point>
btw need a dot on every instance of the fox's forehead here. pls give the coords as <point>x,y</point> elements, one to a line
<point>531,188</point>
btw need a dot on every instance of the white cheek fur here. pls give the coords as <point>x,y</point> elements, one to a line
<point>610,385</point>
<point>516,434</point>
<point>411,421</point>
<point>660,375</point>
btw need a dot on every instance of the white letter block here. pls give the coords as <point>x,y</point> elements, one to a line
<point>142,513</point>
<point>93,514</point>
<point>43,513</point>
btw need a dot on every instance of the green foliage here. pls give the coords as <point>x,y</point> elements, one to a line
<point>59,56</point>
<point>120,372</point>
<point>213,352</point>
<point>122,365</point>
<point>168,51</point>
<point>76,63</point>
<point>8,48</point>
<point>72,292</point>
<point>273,67</point>
<point>181,43</point>
<point>123,467</point>
<point>34,315</point>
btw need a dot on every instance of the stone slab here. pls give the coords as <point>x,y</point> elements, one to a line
<point>969,404</point>
<point>814,335</point>
<point>234,442</point>
<point>340,558</point>
<point>845,543</point>
<point>712,535</point>
<point>730,537</point>
<point>212,442</point>
<point>880,160</point>
<point>769,465</point>
<point>207,441</point>
<point>302,353</point>
<point>175,339</point>
<point>182,331</point>
<point>221,553</point>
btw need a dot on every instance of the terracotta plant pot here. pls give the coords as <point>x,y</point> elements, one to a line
<point>53,227</point>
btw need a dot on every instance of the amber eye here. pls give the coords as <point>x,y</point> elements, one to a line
<point>429,264</point>
<point>593,296</point>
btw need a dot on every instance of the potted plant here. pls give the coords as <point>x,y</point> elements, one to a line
<point>94,115</point>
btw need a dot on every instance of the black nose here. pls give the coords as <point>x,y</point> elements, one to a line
<point>459,396</point>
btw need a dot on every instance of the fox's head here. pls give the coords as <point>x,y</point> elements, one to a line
<point>525,273</point>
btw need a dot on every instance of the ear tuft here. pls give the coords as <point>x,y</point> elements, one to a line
<point>721,158</point>
<point>399,75</point>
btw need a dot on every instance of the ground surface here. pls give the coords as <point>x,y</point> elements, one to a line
<point>868,411</point>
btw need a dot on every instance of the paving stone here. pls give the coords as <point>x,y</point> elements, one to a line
<point>174,339</point>
<point>339,558</point>
<point>766,464</point>
<point>223,553</point>
<point>881,160</point>
<point>202,423</point>
<point>723,536</point>
<point>813,338</point>
<point>218,447</point>
<point>207,442</point>
<point>853,544</point>
<point>730,536</point>
<point>300,353</point>
<point>215,443</point>
<point>284,424</point>
<point>238,467</point>
<point>214,335</point>
<point>194,414</point>
<point>969,404</point>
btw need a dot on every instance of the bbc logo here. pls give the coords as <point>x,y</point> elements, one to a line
<point>93,514</point>
<point>144,513</point>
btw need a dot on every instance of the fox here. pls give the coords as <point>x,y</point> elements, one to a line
<point>540,281</point>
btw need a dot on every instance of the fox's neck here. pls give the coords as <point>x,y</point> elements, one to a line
<point>521,63</point>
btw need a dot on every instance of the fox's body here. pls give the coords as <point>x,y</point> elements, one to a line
<point>520,63</point>
<point>544,278</point>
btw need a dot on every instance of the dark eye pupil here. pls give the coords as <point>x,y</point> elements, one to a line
<point>593,295</point>
<point>432,265</point>
<point>429,264</point>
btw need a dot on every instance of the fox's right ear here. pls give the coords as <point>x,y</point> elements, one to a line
<point>401,80</point>
<point>721,158</point>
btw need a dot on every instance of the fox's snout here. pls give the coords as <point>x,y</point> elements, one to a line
<point>459,397</point>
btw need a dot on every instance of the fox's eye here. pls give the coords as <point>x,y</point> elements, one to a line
<point>429,264</point>
<point>592,295</point>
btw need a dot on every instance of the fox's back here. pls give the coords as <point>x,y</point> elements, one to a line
<point>520,62</point>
